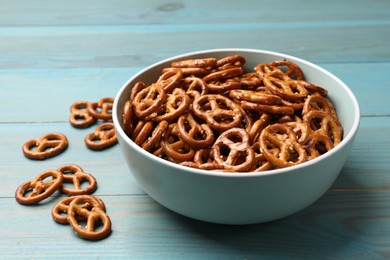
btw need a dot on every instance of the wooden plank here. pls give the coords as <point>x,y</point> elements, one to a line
<point>53,54</point>
<point>128,46</point>
<point>107,166</point>
<point>119,12</point>
<point>368,164</point>
<point>45,95</point>
<point>42,95</point>
<point>341,225</point>
<point>367,81</point>
<point>366,167</point>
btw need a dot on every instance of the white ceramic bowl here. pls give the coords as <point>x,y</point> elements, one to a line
<point>240,198</point>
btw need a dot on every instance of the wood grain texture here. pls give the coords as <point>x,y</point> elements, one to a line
<point>49,93</point>
<point>341,225</point>
<point>54,53</point>
<point>366,168</point>
<point>152,12</point>
<point>124,46</point>
<point>108,166</point>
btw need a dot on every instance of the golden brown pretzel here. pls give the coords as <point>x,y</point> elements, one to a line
<point>194,83</point>
<point>170,79</point>
<point>136,89</point>
<point>149,136</point>
<point>250,80</point>
<point>283,138</point>
<point>261,102</point>
<point>221,87</point>
<point>154,140</point>
<point>318,144</point>
<point>301,129</point>
<point>142,131</point>
<point>128,118</point>
<point>296,106</point>
<point>94,216</point>
<point>75,175</point>
<point>261,163</point>
<point>203,159</point>
<point>193,94</point>
<point>246,120</point>
<point>194,67</point>
<point>79,116</point>
<point>325,124</point>
<point>195,63</point>
<point>312,88</point>
<point>60,210</point>
<point>203,166</point>
<point>199,72</point>
<point>195,135</point>
<point>46,146</point>
<point>38,189</point>
<point>224,74</point>
<point>262,69</point>
<point>232,150</point>
<point>289,89</point>
<point>103,137</point>
<point>293,70</point>
<point>232,60</point>
<point>268,109</point>
<point>257,127</point>
<point>203,156</point>
<point>318,102</point>
<point>220,112</point>
<point>223,95</point>
<point>101,109</point>
<point>148,100</point>
<point>281,85</point>
<point>174,147</point>
<point>255,97</point>
<point>175,105</point>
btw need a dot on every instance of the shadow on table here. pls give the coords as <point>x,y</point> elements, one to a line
<point>320,231</point>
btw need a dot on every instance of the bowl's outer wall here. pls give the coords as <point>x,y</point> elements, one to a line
<point>244,200</point>
<point>237,200</point>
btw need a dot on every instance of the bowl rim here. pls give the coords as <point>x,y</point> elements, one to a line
<point>346,139</point>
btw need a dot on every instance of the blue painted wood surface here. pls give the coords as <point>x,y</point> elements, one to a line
<point>53,53</point>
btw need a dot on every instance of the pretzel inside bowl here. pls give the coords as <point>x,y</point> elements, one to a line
<point>219,115</point>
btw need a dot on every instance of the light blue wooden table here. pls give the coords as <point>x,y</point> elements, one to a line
<point>53,53</point>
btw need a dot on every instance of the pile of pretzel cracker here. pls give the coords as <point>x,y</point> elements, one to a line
<point>214,114</point>
<point>84,212</point>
